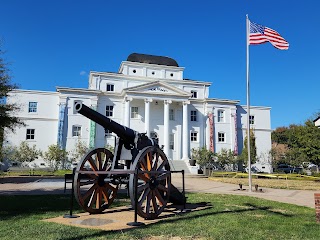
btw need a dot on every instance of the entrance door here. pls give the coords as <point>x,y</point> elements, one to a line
<point>172,147</point>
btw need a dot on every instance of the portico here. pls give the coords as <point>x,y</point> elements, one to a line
<point>159,113</point>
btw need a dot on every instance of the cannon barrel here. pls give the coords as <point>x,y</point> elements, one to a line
<point>127,134</point>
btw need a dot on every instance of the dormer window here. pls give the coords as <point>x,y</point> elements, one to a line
<point>194,94</point>
<point>110,88</point>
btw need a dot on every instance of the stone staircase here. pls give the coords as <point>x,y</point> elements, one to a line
<point>178,165</point>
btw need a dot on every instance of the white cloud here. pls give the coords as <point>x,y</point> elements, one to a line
<point>83,73</point>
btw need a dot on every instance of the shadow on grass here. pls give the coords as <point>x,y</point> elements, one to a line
<point>183,216</point>
<point>28,205</point>
<point>24,206</point>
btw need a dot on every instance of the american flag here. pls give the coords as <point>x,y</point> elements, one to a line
<point>261,34</point>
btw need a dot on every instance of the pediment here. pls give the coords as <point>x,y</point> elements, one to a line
<point>156,88</point>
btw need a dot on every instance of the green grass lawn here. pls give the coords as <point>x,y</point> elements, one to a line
<point>279,181</point>
<point>230,217</point>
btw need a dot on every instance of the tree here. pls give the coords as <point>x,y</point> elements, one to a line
<point>253,149</point>
<point>56,157</point>
<point>8,152</point>
<point>305,139</point>
<point>203,156</point>
<point>7,119</point>
<point>79,151</point>
<point>280,135</point>
<point>225,158</point>
<point>24,153</point>
<point>302,142</point>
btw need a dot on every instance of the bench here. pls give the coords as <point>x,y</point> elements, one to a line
<point>68,178</point>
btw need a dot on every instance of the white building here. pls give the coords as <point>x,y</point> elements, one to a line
<point>148,94</point>
<point>317,122</point>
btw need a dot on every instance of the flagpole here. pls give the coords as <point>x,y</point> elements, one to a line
<point>248,106</point>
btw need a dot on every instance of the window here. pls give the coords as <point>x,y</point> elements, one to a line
<point>134,112</point>
<point>171,142</point>
<point>171,114</point>
<point>30,134</point>
<point>221,137</point>
<point>32,107</point>
<point>194,94</point>
<point>251,119</point>
<point>109,111</point>
<point>110,88</point>
<point>194,137</point>
<point>220,116</point>
<point>193,116</point>
<point>76,131</point>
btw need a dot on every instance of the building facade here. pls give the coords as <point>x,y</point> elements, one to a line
<point>148,94</point>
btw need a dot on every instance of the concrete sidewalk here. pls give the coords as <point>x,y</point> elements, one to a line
<point>198,184</point>
<point>34,185</point>
<point>31,185</point>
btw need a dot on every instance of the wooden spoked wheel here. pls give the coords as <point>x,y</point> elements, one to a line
<point>154,183</point>
<point>95,191</point>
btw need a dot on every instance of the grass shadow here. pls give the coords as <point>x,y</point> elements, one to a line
<point>189,215</point>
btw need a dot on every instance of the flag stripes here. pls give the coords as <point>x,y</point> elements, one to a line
<point>260,34</point>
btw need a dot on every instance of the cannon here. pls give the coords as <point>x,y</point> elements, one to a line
<point>137,159</point>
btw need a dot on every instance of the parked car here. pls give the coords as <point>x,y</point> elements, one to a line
<point>298,170</point>
<point>284,168</point>
<point>288,169</point>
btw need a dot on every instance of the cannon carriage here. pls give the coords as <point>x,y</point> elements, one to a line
<point>138,162</point>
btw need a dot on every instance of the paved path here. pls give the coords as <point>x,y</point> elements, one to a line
<point>34,185</point>
<point>197,184</point>
<point>31,185</point>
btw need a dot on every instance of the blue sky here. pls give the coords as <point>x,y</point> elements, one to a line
<point>57,43</point>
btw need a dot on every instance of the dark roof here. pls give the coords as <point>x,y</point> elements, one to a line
<point>316,119</point>
<point>151,59</point>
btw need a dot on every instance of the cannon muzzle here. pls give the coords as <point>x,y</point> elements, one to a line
<point>127,134</point>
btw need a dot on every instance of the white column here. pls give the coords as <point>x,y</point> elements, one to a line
<point>185,131</point>
<point>166,126</point>
<point>233,125</point>
<point>127,111</point>
<point>207,131</point>
<point>147,116</point>
<point>231,130</point>
<point>208,127</point>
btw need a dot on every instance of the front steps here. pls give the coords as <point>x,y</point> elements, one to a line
<point>178,165</point>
